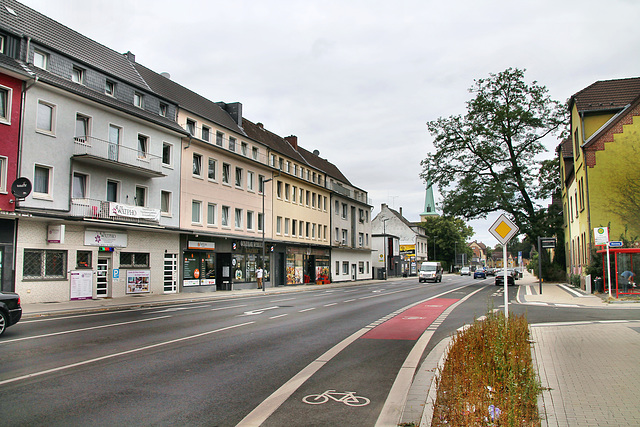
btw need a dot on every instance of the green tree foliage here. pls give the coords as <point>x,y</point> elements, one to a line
<point>450,236</point>
<point>485,161</point>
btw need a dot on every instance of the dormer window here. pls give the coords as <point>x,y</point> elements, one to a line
<point>110,88</point>
<point>77,75</point>
<point>40,59</point>
<point>137,99</point>
<point>163,109</point>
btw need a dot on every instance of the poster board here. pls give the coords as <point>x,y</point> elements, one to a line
<point>81,285</point>
<point>138,281</point>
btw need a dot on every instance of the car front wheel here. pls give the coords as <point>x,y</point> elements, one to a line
<point>3,322</point>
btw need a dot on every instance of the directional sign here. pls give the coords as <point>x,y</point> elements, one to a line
<point>503,229</point>
<point>548,242</point>
<point>615,244</point>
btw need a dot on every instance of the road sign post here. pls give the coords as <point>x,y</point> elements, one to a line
<point>601,237</point>
<point>543,243</point>
<point>504,230</point>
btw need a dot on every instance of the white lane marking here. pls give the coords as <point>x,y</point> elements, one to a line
<point>226,308</point>
<point>82,329</point>
<point>122,353</point>
<point>169,310</point>
<point>306,309</point>
<point>263,411</point>
<point>279,315</point>
<point>391,293</point>
<point>330,304</point>
<point>349,300</point>
<point>259,310</point>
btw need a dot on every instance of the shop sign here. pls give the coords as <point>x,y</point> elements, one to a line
<point>141,212</point>
<point>209,246</point>
<point>105,238</point>
<point>55,233</point>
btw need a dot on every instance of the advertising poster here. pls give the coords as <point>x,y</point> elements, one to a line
<point>81,284</point>
<point>137,281</point>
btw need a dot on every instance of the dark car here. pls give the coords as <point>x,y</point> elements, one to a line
<point>500,280</point>
<point>490,271</point>
<point>479,274</point>
<point>10,310</point>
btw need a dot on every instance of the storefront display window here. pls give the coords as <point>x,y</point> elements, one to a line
<point>199,269</point>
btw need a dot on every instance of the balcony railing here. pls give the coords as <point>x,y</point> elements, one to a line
<point>117,154</point>
<point>110,211</point>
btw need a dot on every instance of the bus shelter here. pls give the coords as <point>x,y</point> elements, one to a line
<point>621,260</point>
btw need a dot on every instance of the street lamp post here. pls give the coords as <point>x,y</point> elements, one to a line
<point>384,245</point>
<point>264,285</point>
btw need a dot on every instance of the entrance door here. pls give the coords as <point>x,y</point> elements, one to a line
<point>103,276</point>
<point>170,273</point>
<point>223,272</point>
<point>353,272</point>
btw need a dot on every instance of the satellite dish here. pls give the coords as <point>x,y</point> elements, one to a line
<point>21,188</point>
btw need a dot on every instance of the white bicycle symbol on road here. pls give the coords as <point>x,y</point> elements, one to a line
<point>349,398</point>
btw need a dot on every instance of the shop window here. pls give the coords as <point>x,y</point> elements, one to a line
<point>44,264</point>
<point>83,259</point>
<point>134,260</point>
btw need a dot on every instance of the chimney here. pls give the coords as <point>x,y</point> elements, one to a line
<point>382,206</point>
<point>234,109</point>
<point>400,210</point>
<point>293,140</point>
<point>130,56</point>
<point>260,125</point>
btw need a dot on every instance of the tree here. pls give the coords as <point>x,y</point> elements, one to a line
<point>449,235</point>
<point>485,161</point>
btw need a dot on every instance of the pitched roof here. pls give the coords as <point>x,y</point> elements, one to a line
<point>324,165</point>
<point>607,94</point>
<point>566,148</point>
<point>44,31</point>
<point>271,140</point>
<point>188,99</point>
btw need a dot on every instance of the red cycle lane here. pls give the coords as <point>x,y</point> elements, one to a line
<point>367,367</point>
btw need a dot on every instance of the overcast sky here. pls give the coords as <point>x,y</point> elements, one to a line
<point>358,80</point>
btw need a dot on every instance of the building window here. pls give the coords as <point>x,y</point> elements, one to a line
<point>260,221</point>
<point>138,99</point>
<point>197,165</point>
<point>287,190</point>
<point>337,234</point>
<point>313,231</point>
<point>225,216</point>
<point>141,196</point>
<point>143,146</point>
<point>212,211</point>
<point>307,229</point>
<point>134,260</point>
<point>82,128</point>
<point>79,190</point>
<point>281,163</point>
<point>40,59</point>
<point>250,216</point>
<point>238,218</point>
<point>167,154</point>
<point>301,229</point>
<point>226,171</point>
<point>3,173</point>
<point>279,225</point>
<point>113,191</point>
<point>110,88</point>
<point>83,259</point>
<point>345,267</point>
<point>313,200</point>
<point>250,180</point>
<point>272,161</point>
<point>360,239</point>
<point>165,202</point>
<point>191,127</point>
<point>261,184</point>
<point>232,144</point>
<point>206,133</point>
<point>5,105</point>
<point>238,177</point>
<point>254,153</point>
<point>361,267</point>
<point>294,225</point>
<point>243,148</point>
<point>286,226</point>
<point>77,75</point>
<point>42,181</point>
<point>279,189</point>
<point>344,237</point>
<point>164,109</point>
<point>43,264</point>
<point>345,211</point>
<point>219,138</point>
<point>337,268</point>
<point>196,212</point>
<point>213,165</point>
<point>46,117</point>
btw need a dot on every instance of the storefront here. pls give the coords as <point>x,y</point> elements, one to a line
<point>307,265</point>
<point>622,260</point>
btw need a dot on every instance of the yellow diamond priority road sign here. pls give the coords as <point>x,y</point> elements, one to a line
<point>503,229</point>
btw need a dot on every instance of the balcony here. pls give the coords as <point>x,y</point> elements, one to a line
<point>116,156</point>
<point>110,211</point>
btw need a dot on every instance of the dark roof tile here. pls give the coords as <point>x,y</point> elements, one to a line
<point>607,94</point>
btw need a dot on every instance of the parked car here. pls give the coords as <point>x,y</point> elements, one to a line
<point>500,280</point>
<point>10,310</point>
<point>479,274</point>
<point>465,271</point>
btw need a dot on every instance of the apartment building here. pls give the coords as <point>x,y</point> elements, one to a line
<point>102,217</point>
<point>300,220</point>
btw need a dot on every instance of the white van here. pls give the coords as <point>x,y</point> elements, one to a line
<point>430,271</point>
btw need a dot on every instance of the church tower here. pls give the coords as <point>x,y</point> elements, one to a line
<point>429,204</point>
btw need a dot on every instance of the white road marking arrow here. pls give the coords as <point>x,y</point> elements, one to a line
<point>259,311</point>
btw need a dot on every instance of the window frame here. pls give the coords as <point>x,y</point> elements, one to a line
<point>39,194</point>
<point>145,196</point>
<point>212,161</point>
<point>52,118</point>
<point>110,88</point>
<point>196,212</point>
<point>168,195</point>
<point>8,92</point>
<point>77,75</point>
<point>143,142</point>
<point>168,146</point>
<point>43,64</point>
<point>139,260</point>
<point>196,162</point>
<point>212,207</point>
<point>138,100</point>
<point>44,258</point>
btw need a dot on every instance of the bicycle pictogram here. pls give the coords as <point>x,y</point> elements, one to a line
<point>349,398</point>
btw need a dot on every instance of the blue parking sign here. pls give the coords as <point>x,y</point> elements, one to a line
<point>116,273</point>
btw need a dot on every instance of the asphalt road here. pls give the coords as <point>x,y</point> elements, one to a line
<point>274,359</point>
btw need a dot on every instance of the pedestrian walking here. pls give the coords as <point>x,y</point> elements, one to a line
<point>259,273</point>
